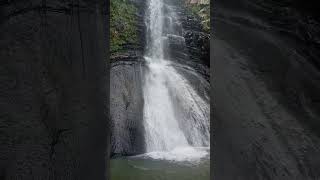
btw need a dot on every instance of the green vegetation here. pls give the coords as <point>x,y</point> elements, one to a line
<point>203,11</point>
<point>122,24</point>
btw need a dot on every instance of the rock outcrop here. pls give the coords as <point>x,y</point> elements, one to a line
<point>265,84</point>
<point>126,106</point>
<point>126,102</point>
<point>54,89</point>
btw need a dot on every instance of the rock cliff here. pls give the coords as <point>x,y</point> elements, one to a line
<point>265,100</point>
<point>54,89</point>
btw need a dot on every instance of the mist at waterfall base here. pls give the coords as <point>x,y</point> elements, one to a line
<point>175,116</point>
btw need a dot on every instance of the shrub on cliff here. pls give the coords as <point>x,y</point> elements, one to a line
<point>122,24</point>
<point>201,8</point>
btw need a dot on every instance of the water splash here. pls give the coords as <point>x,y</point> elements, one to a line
<point>176,118</point>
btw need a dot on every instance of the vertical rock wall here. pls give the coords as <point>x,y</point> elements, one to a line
<point>265,83</point>
<point>53,89</point>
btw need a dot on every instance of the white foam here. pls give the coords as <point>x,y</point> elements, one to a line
<point>180,154</point>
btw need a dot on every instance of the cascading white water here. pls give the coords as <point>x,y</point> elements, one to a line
<point>176,118</point>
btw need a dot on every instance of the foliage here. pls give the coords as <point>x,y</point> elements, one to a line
<point>122,24</point>
<point>203,11</point>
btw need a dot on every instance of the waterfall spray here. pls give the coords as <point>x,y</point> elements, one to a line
<point>176,118</point>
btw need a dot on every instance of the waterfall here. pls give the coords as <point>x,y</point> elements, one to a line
<point>176,118</point>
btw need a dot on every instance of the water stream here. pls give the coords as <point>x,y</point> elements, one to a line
<point>176,118</point>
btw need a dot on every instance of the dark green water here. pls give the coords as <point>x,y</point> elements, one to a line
<point>139,168</point>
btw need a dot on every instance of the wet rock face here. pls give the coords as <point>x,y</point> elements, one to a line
<point>265,79</point>
<point>299,20</point>
<point>198,44</point>
<point>53,89</point>
<point>126,107</point>
<point>196,52</point>
<point>197,41</point>
<point>294,18</point>
<point>298,24</point>
<point>126,101</point>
